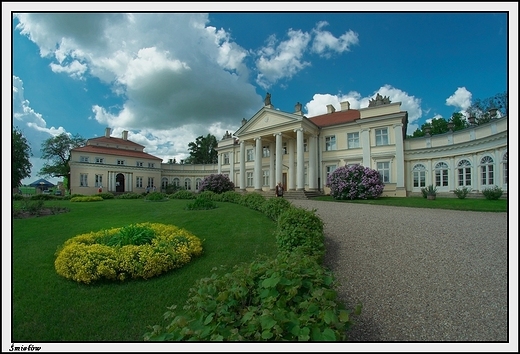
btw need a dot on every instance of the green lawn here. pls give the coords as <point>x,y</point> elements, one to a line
<point>469,204</point>
<point>47,307</point>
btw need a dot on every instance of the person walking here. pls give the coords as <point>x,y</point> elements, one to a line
<point>279,190</point>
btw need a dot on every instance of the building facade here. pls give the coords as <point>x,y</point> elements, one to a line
<point>300,152</point>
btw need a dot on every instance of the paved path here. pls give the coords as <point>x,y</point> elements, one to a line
<point>421,274</point>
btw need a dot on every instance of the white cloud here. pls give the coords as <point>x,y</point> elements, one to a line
<point>324,42</point>
<point>461,99</point>
<point>282,60</point>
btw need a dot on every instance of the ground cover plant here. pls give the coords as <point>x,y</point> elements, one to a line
<point>468,204</point>
<point>48,307</point>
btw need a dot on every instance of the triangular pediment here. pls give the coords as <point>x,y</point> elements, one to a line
<point>266,119</point>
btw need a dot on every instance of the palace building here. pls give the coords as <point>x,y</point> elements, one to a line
<point>300,152</point>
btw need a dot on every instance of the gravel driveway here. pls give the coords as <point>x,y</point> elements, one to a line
<point>421,274</point>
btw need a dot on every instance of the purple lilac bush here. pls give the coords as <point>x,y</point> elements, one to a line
<point>355,182</point>
<point>217,183</point>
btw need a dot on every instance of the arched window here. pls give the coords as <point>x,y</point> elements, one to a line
<point>486,171</point>
<point>198,181</point>
<point>441,174</point>
<point>419,175</point>
<point>464,172</point>
<point>176,182</point>
<point>187,184</point>
<point>164,183</point>
<point>504,167</point>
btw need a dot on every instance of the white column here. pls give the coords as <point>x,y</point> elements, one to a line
<point>279,156</point>
<point>219,162</point>
<point>292,170</point>
<point>272,181</point>
<point>258,165</point>
<point>399,154</point>
<point>299,160</point>
<point>365,145</point>
<point>242,166</point>
<point>313,162</point>
<point>232,165</point>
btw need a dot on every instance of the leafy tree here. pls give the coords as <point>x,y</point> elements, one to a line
<point>486,109</point>
<point>202,151</point>
<point>57,150</point>
<point>20,164</point>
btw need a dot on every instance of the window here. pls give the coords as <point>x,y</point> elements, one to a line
<point>120,162</point>
<point>284,147</point>
<point>150,182</point>
<point>83,159</point>
<point>464,172</point>
<point>83,180</point>
<point>384,170</point>
<point>187,184</point>
<point>226,158</point>
<point>139,164</point>
<point>139,182</point>
<point>98,181</point>
<point>353,140</point>
<point>265,177</point>
<point>164,183</point>
<point>265,151</point>
<point>382,136</point>
<point>305,145</point>
<point>151,164</point>
<point>486,171</point>
<point>198,181</point>
<point>100,160</point>
<point>250,155</point>
<point>441,174</point>
<point>249,182</point>
<point>419,176</point>
<point>330,169</point>
<point>330,143</point>
<point>176,182</point>
<point>504,167</point>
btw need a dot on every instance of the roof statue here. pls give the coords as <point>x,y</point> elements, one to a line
<point>379,100</point>
<point>267,100</point>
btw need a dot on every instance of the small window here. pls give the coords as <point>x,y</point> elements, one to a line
<point>330,143</point>
<point>226,158</point>
<point>250,156</point>
<point>120,162</point>
<point>139,164</point>
<point>441,174</point>
<point>464,173</point>
<point>98,181</point>
<point>265,177</point>
<point>151,164</point>
<point>139,182</point>
<point>83,158</point>
<point>384,170</point>
<point>382,136</point>
<point>187,184</point>
<point>419,176</point>
<point>100,160</point>
<point>83,180</point>
<point>353,140</point>
<point>486,170</point>
<point>249,182</point>
<point>265,151</point>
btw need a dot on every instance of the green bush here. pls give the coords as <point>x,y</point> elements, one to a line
<point>201,203</point>
<point>209,195</point>
<point>461,193</point>
<point>18,196</point>
<point>106,195</point>
<point>253,200</point>
<point>155,197</point>
<point>274,207</point>
<point>492,193</point>
<point>130,235</point>
<point>231,197</point>
<point>289,298</point>
<point>183,194</point>
<point>42,197</point>
<point>93,198</point>
<point>300,228</point>
<point>129,196</point>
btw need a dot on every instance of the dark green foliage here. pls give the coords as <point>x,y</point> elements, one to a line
<point>230,196</point>
<point>130,235</point>
<point>20,155</point>
<point>18,196</point>
<point>289,298</point>
<point>155,197</point>
<point>202,151</point>
<point>201,203</point>
<point>106,195</point>
<point>253,200</point>
<point>128,196</point>
<point>492,193</point>
<point>274,207</point>
<point>461,193</point>
<point>430,190</point>
<point>209,195</point>
<point>43,197</point>
<point>300,228</point>
<point>183,194</point>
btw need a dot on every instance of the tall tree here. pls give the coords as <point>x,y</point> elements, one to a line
<point>57,150</point>
<point>202,151</point>
<point>488,108</point>
<point>20,164</point>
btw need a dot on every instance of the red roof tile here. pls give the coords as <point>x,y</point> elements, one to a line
<point>114,151</point>
<point>111,140</point>
<point>340,117</point>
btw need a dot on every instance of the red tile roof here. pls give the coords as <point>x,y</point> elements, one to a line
<point>340,117</point>
<point>111,140</point>
<point>115,151</point>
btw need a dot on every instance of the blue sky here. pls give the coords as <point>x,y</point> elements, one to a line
<point>169,77</point>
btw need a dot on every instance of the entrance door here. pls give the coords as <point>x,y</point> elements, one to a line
<point>120,182</point>
<point>284,181</point>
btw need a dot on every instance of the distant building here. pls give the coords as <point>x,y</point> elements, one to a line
<point>275,146</point>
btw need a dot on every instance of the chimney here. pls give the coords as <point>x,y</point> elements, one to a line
<point>330,108</point>
<point>107,132</point>
<point>125,134</point>
<point>345,106</point>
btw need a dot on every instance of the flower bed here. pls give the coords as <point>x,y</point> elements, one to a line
<point>93,256</point>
